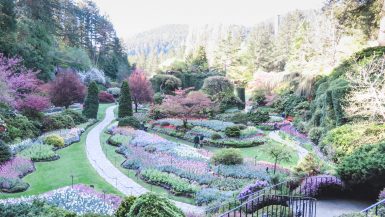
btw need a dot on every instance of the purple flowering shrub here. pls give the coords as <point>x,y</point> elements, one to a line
<point>11,173</point>
<point>251,189</point>
<point>315,185</point>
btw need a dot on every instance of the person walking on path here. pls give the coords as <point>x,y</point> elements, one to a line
<point>201,137</point>
<point>196,141</point>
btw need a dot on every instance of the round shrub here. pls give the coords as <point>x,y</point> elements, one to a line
<point>165,83</point>
<point>233,131</point>
<point>230,101</point>
<point>77,117</point>
<point>364,169</point>
<point>129,122</point>
<point>150,204</point>
<point>13,185</point>
<point>259,116</point>
<point>105,97</point>
<point>315,134</point>
<point>216,136</point>
<point>228,156</point>
<point>54,140</point>
<point>217,84</point>
<point>125,206</point>
<point>240,118</point>
<point>158,98</point>
<point>5,152</point>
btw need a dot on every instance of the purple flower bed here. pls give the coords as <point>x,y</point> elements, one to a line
<point>16,168</point>
<point>250,189</point>
<point>314,185</point>
<point>290,129</point>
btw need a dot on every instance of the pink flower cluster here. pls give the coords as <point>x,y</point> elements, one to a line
<point>16,168</point>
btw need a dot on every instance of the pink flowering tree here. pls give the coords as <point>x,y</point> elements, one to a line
<point>186,104</point>
<point>20,86</point>
<point>140,87</point>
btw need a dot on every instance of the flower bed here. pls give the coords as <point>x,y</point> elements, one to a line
<point>80,199</point>
<point>182,169</point>
<point>175,184</point>
<point>69,135</point>
<point>39,153</point>
<point>290,129</point>
<point>237,143</point>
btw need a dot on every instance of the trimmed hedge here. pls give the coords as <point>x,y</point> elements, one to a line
<point>129,122</point>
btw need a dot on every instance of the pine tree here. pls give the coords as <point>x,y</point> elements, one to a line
<point>125,102</point>
<point>5,152</point>
<point>91,104</point>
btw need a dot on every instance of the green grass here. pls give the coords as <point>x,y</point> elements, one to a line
<point>117,160</point>
<point>260,153</point>
<point>73,161</point>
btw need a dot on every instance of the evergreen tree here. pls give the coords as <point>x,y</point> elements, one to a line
<point>7,26</point>
<point>91,104</point>
<point>5,152</point>
<point>125,102</point>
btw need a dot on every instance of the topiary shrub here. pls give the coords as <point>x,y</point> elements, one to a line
<point>77,117</point>
<point>150,204</point>
<point>233,131</point>
<point>129,122</point>
<point>54,140</point>
<point>216,136</point>
<point>259,116</point>
<point>364,169</point>
<point>240,118</point>
<point>91,103</point>
<point>165,83</point>
<point>5,152</point>
<point>125,206</point>
<point>217,84</point>
<point>125,102</point>
<point>227,156</point>
<point>105,97</point>
<point>230,101</point>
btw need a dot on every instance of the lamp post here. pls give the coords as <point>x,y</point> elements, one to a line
<point>72,181</point>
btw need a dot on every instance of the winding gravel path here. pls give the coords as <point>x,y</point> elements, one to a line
<point>302,152</point>
<point>112,174</point>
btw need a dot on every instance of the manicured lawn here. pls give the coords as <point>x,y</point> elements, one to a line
<point>73,161</point>
<point>118,159</point>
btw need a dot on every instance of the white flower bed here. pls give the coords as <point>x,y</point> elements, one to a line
<point>80,199</point>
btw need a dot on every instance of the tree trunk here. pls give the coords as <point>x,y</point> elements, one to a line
<point>136,106</point>
<point>381,32</point>
<point>275,166</point>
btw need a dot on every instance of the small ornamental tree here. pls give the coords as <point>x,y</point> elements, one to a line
<point>150,204</point>
<point>125,102</point>
<point>91,104</point>
<point>66,89</point>
<point>5,152</point>
<point>185,104</point>
<point>279,154</point>
<point>140,87</point>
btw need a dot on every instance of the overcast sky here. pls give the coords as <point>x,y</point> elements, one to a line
<point>133,16</point>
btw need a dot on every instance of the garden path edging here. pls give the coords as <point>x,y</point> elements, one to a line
<point>113,175</point>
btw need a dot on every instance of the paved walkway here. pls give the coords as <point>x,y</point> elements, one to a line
<point>112,174</point>
<point>302,152</point>
<point>337,207</point>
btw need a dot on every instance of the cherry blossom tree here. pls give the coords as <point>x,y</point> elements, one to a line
<point>141,89</point>
<point>66,89</point>
<point>19,86</point>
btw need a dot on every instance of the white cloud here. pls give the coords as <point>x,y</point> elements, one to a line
<point>133,16</point>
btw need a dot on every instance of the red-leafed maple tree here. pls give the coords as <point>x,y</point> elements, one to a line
<point>140,87</point>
